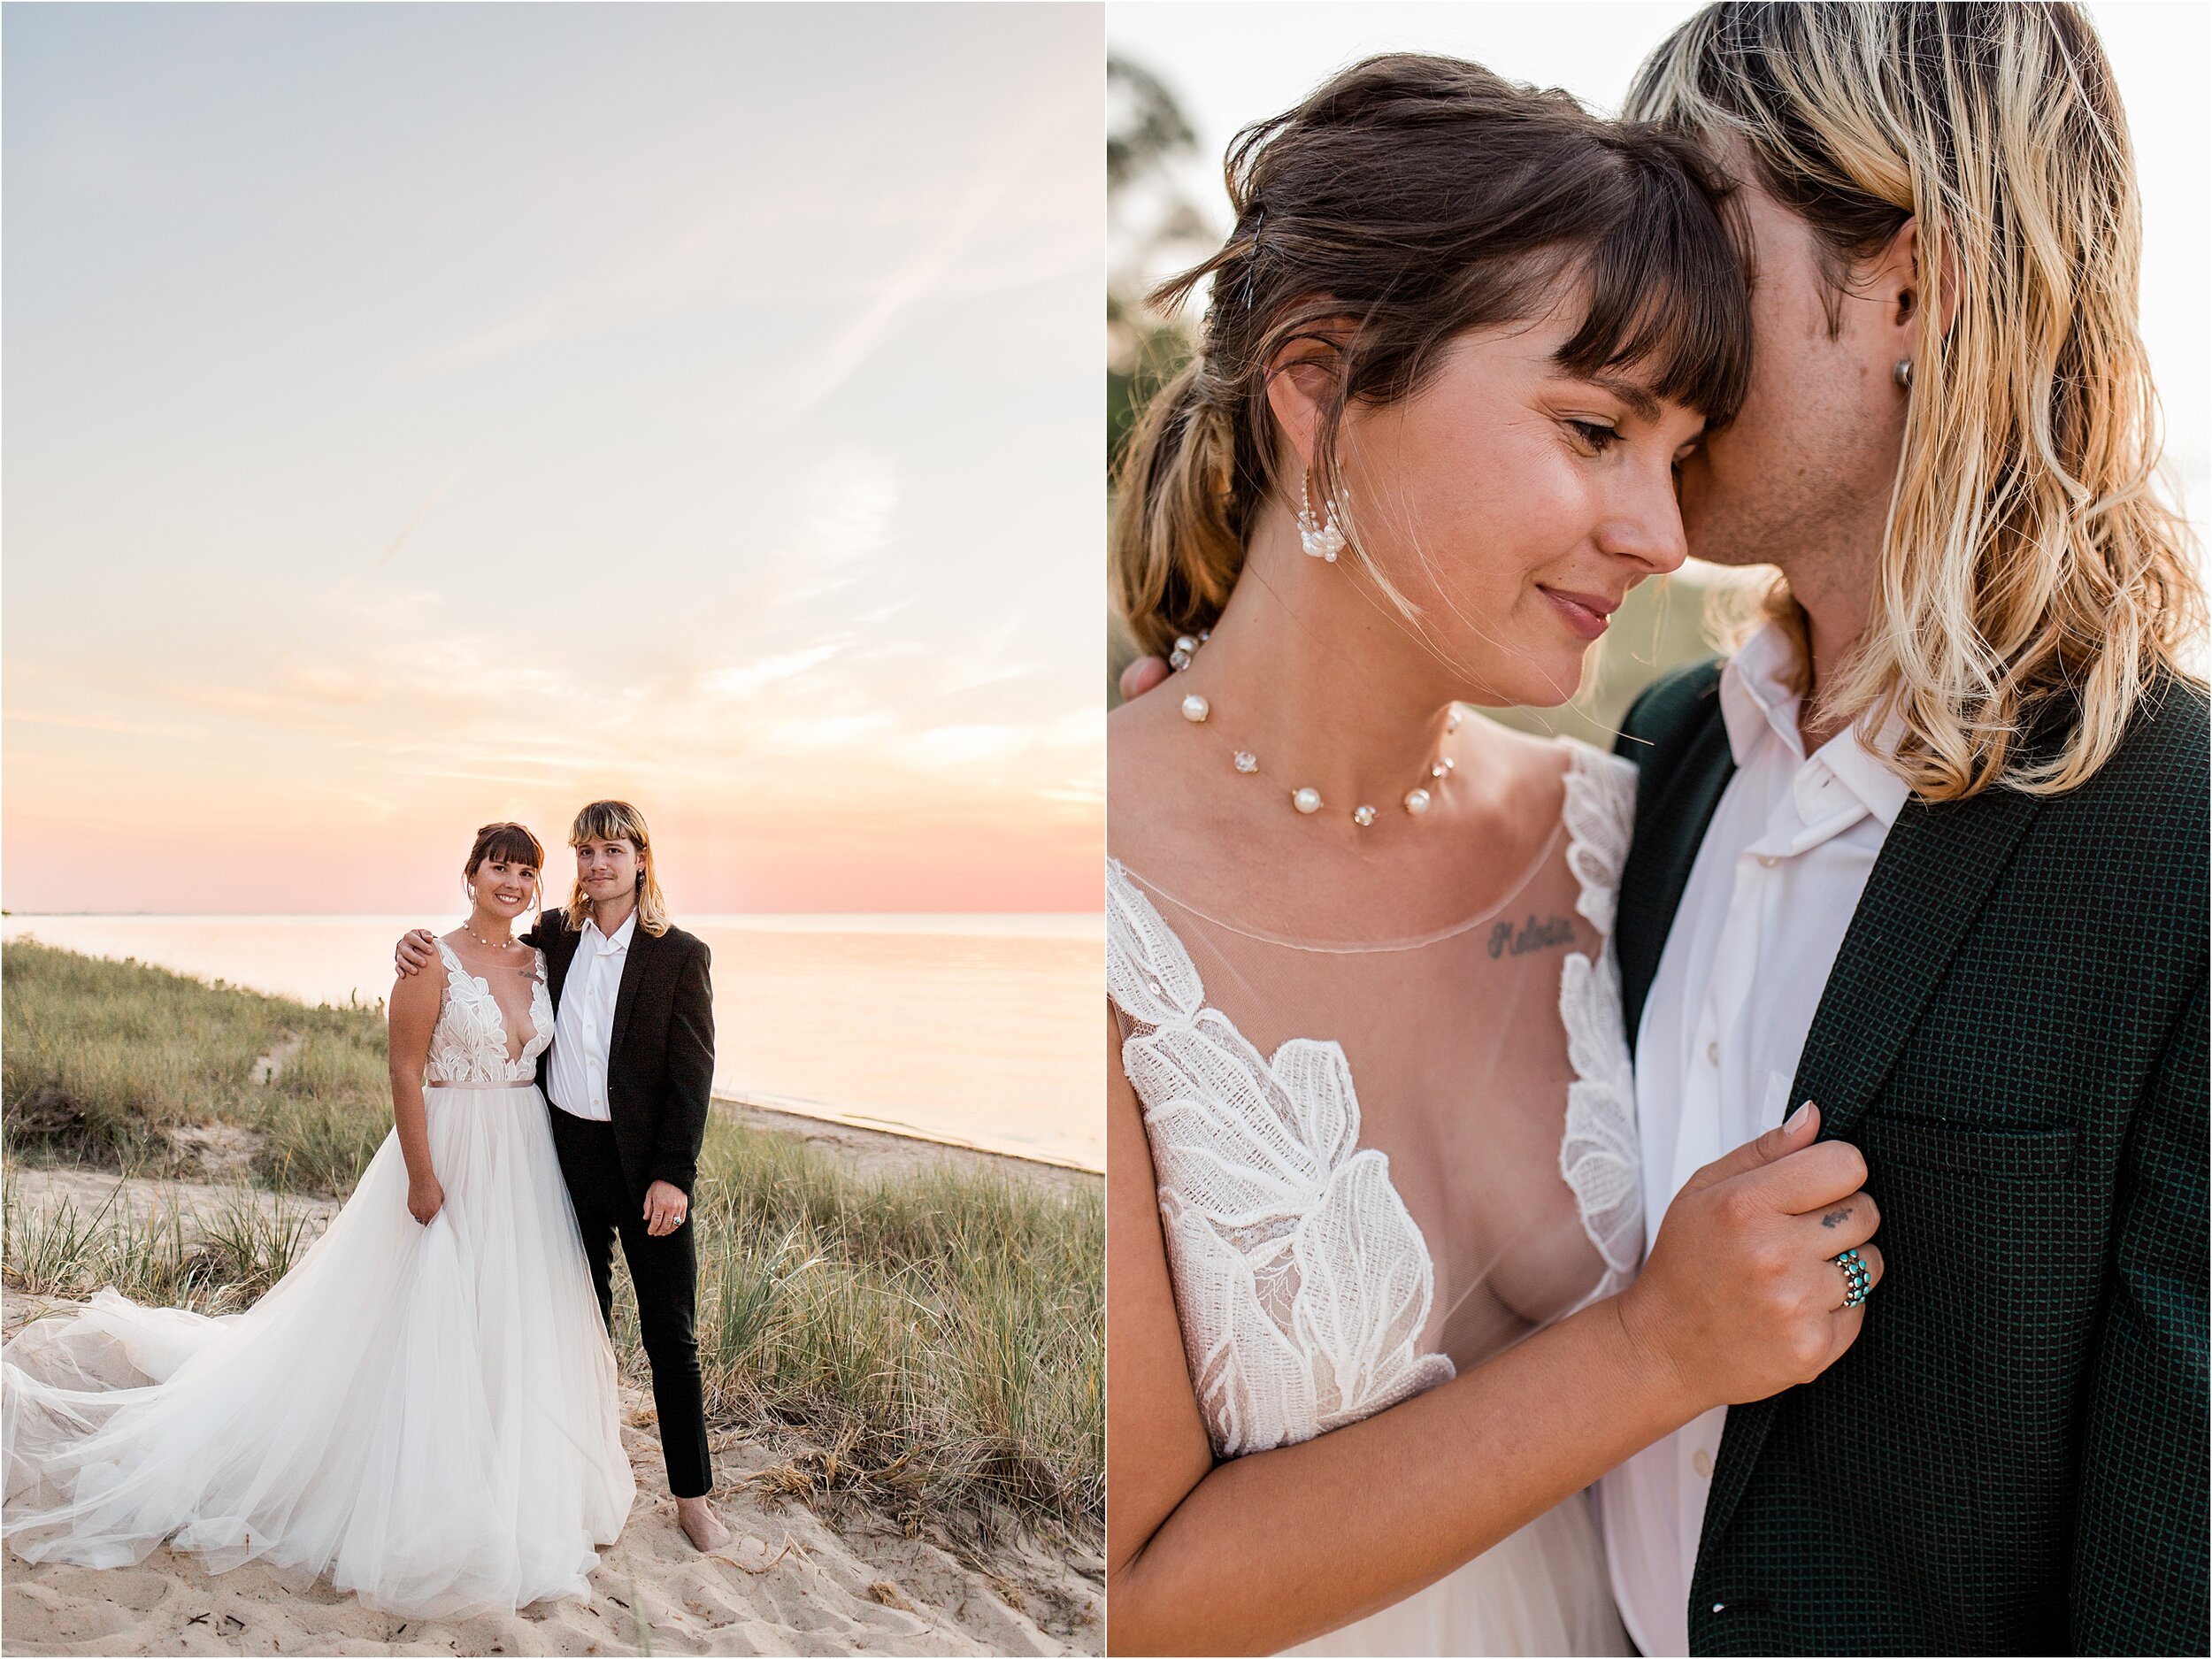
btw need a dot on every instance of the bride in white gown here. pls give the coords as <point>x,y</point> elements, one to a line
<point>1374,1320</point>
<point>424,1409</point>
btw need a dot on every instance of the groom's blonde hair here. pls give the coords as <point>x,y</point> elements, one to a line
<point>619,821</point>
<point>2029,566</point>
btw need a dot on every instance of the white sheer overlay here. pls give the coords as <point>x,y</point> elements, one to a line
<point>426,1415</point>
<point>1335,1249</point>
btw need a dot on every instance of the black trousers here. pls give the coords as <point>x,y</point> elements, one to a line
<point>665,1272</point>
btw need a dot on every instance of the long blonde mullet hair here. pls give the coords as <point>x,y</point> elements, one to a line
<point>2029,565</point>
<point>619,821</point>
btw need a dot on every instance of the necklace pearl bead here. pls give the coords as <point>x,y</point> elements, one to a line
<point>1324,542</point>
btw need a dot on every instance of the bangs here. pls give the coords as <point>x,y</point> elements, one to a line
<point>608,821</point>
<point>1668,301</point>
<point>509,843</point>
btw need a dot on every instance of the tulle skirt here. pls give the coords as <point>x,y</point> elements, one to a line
<point>428,1416</point>
<point>1542,1590</point>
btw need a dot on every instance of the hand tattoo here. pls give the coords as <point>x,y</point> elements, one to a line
<point>1835,1215</point>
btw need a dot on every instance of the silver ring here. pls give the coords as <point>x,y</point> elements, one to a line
<point>1856,1280</point>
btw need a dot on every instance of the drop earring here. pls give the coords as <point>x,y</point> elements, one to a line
<point>1321,540</point>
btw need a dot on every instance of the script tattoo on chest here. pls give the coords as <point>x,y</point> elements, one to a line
<point>1508,940</point>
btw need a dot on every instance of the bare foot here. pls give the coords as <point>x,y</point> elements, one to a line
<point>702,1526</point>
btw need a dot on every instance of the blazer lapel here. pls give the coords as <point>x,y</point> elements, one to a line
<point>1935,872</point>
<point>1936,866</point>
<point>1660,858</point>
<point>642,943</point>
<point>560,953</point>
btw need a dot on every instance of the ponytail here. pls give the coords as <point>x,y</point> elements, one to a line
<point>1177,546</point>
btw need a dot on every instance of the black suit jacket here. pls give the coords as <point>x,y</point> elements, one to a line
<point>2013,1456</point>
<point>660,1064</point>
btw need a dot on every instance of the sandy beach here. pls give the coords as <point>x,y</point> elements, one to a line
<point>796,1581</point>
<point>874,1152</point>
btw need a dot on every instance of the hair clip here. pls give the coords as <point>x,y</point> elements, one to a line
<point>1252,261</point>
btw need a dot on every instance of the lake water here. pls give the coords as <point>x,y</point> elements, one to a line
<point>983,1030</point>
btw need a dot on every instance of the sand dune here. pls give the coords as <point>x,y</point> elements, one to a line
<point>794,1582</point>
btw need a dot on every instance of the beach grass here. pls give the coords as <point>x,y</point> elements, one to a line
<point>212,1260</point>
<point>105,1062</point>
<point>931,1344</point>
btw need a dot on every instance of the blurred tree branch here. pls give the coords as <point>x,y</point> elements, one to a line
<point>1153,229</point>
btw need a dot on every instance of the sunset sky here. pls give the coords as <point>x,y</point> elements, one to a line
<point>422,415</point>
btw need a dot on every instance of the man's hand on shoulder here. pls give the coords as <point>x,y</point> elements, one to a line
<point>415,951</point>
<point>1142,676</point>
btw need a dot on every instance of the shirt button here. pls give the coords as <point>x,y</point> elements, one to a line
<point>1702,1463</point>
<point>1768,860</point>
<point>1712,1054</point>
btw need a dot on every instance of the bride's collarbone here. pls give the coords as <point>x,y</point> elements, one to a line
<point>517,963</point>
<point>474,950</point>
<point>1502,797</point>
<point>1400,877</point>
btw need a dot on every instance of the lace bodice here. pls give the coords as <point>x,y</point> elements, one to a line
<point>469,1044</point>
<point>1303,1286</point>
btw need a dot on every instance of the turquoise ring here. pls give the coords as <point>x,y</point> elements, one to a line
<point>1856,1280</point>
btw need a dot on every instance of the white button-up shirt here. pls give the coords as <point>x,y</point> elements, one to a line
<point>576,1076</point>
<point>1769,897</point>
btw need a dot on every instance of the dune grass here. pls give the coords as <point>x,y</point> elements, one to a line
<point>103,1062</point>
<point>930,1344</point>
<point>936,1335</point>
<point>213,1260</point>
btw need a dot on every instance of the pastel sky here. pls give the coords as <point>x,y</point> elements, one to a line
<point>423,415</point>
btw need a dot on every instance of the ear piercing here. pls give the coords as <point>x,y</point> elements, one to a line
<point>1321,538</point>
<point>1902,374</point>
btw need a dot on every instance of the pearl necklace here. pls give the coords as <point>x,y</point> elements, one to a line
<point>486,943</point>
<point>1305,798</point>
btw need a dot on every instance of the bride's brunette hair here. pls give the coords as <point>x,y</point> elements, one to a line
<point>511,843</point>
<point>1408,200</point>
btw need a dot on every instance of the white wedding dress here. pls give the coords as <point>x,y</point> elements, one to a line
<point>1335,1250</point>
<point>426,1416</point>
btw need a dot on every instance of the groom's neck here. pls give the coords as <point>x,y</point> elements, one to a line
<point>609,915</point>
<point>1835,591</point>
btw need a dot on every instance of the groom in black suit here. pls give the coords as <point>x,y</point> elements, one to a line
<point>629,1076</point>
<point>2011,1022</point>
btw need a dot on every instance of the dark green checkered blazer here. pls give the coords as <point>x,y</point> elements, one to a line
<point>2013,1457</point>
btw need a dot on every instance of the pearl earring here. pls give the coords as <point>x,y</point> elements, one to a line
<point>1902,374</point>
<point>1321,540</point>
